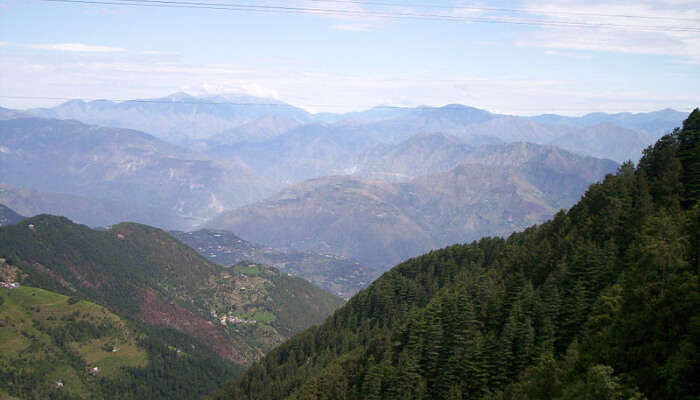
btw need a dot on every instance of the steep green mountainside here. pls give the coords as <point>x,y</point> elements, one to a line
<point>498,190</point>
<point>145,274</point>
<point>8,216</point>
<point>336,274</point>
<point>60,347</point>
<point>601,302</point>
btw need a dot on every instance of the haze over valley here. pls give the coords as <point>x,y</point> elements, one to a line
<point>376,186</point>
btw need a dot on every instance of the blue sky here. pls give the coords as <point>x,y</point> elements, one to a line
<point>630,55</point>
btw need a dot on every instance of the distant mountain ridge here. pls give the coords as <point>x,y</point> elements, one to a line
<point>176,117</point>
<point>655,123</point>
<point>122,166</point>
<point>86,210</point>
<point>212,121</point>
<point>313,150</point>
<point>493,191</point>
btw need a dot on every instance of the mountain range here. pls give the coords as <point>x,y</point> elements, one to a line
<point>494,190</point>
<point>209,122</point>
<point>176,117</point>
<point>122,166</point>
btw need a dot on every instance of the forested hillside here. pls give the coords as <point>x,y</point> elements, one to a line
<point>144,274</point>
<point>601,302</point>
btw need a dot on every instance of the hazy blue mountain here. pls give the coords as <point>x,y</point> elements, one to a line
<point>88,211</point>
<point>261,129</point>
<point>289,145</point>
<point>655,123</point>
<point>121,165</point>
<point>305,152</point>
<point>505,188</point>
<point>364,145</point>
<point>177,117</point>
<point>321,149</point>
<point>8,216</point>
<point>377,113</point>
<point>421,154</point>
<point>6,113</point>
<point>514,129</point>
<point>339,275</point>
<point>605,140</point>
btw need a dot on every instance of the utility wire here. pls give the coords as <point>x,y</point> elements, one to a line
<point>529,21</point>
<point>507,10</point>
<point>376,14</point>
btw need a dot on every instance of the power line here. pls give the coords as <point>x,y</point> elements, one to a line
<point>527,21</point>
<point>508,10</point>
<point>375,14</point>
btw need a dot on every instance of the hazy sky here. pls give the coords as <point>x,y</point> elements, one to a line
<point>568,57</point>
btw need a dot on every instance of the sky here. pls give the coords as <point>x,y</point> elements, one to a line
<point>567,57</point>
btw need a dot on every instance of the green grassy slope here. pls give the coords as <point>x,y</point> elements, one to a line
<point>50,344</point>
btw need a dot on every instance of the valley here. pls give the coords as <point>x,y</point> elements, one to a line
<point>341,276</point>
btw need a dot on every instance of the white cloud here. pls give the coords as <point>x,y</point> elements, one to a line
<point>75,47</point>
<point>158,53</point>
<point>619,26</point>
<point>359,27</point>
<point>568,54</point>
<point>347,16</point>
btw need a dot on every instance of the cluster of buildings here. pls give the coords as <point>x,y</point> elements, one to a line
<point>9,285</point>
<point>226,319</point>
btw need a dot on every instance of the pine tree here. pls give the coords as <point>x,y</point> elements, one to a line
<point>689,155</point>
